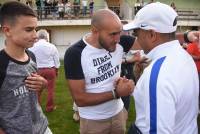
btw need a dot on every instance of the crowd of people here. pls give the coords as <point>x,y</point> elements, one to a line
<point>140,4</point>
<point>98,71</point>
<point>64,8</point>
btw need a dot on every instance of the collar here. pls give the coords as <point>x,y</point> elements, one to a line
<point>163,49</point>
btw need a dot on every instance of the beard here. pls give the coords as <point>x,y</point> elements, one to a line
<point>108,47</point>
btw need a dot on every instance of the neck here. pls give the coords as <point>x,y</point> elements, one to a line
<point>92,40</point>
<point>16,52</point>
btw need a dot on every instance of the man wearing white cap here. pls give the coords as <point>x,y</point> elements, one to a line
<point>166,95</point>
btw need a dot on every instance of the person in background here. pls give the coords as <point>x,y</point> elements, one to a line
<point>130,57</point>
<point>20,112</point>
<point>54,9</point>
<point>193,49</point>
<point>68,8</point>
<point>92,69</point>
<point>61,9</point>
<point>166,94</point>
<point>137,6</point>
<point>76,5</point>
<point>39,9</point>
<point>173,6</point>
<point>84,6</point>
<point>151,1</point>
<point>47,58</point>
<point>91,5</point>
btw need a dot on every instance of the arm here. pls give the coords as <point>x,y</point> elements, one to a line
<point>192,36</point>
<point>191,48</point>
<point>136,57</point>
<point>56,60</point>
<point>1,131</point>
<point>56,57</point>
<point>77,89</point>
<point>124,87</point>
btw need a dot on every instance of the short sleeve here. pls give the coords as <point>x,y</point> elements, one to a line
<point>72,62</point>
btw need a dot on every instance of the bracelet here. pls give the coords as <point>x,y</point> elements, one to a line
<point>185,35</point>
<point>113,93</point>
<point>116,94</point>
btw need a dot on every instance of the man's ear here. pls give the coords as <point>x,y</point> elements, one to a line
<point>94,29</point>
<point>153,35</point>
<point>6,30</point>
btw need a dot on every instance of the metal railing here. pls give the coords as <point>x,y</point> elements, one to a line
<point>77,12</point>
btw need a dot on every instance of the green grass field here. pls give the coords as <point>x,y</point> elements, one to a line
<point>60,120</point>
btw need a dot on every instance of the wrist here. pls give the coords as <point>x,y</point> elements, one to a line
<point>114,93</point>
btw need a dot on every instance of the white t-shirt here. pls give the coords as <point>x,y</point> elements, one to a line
<point>169,103</point>
<point>99,68</point>
<point>46,54</point>
<point>84,3</point>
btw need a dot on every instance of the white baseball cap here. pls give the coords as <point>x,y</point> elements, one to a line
<point>155,16</point>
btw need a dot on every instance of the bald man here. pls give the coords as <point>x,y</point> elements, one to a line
<point>92,69</point>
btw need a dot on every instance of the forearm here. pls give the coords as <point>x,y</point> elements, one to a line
<point>186,37</point>
<point>1,131</point>
<point>90,99</point>
<point>82,98</point>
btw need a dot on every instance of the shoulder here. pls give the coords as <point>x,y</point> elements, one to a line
<point>76,48</point>
<point>2,54</point>
<point>31,55</point>
<point>3,66</point>
<point>3,57</point>
<point>126,41</point>
<point>127,38</point>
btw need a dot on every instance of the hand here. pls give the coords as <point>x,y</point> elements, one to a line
<point>35,82</point>
<point>124,86</point>
<point>1,131</point>
<point>194,36</point>
<point>136,57</point>
<point>140,66</point>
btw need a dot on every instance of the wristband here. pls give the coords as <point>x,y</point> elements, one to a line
<point>113,93</point>
<point>185,35</point>
<point>116,94</point>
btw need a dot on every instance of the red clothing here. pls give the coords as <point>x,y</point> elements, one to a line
<point>50,75</point>
<point>194,49</point>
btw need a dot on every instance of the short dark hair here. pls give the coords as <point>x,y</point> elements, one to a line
<point>13,9</point>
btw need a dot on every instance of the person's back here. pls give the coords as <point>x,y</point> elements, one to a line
<point>47,57</point>
<point>178,69</point>
<point>166,94</point>
<point>45,54</point>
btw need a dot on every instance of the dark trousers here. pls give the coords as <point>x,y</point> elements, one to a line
<point>134,130</point>
<point>126,101</point>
